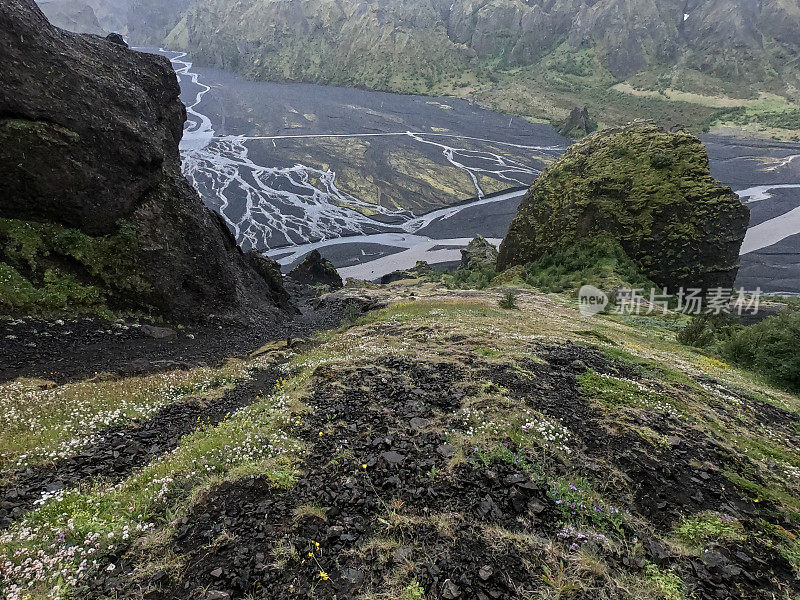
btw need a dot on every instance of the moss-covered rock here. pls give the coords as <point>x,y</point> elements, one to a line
<point>477,254</point>
<point>650,191</point>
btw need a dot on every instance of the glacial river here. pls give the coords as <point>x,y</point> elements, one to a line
<point>377,181</point>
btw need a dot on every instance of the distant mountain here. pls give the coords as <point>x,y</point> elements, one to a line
<point>575,49</point>
<point>73,15</point>
<point>734,40</point>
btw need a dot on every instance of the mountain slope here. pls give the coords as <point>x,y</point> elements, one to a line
<point>571,49</point>
<point>439,448</point>
<point>537,58</point>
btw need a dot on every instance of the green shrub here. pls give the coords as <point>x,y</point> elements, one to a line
<point>509,301</point>
<point>704,330</point>
<point>477,278</point>
<point>599,262</point>
<point>352,312</point>
<point>770,348</point>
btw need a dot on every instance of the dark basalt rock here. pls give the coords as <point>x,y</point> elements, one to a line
<point>89,134</point>
<point>85,121</point>
<point>478,253</point>
<point>117,39</point>
<point>577,124</point>
<point>647,190</point>
<point>316,270</point>
<point>420,269</point>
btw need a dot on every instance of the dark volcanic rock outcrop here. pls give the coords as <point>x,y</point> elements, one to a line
<point>647,190</point>
<point>421,269</point>
<point>478,254</point>
<point>91,193</point>
<point>577,124</point>
<point>316,270</point>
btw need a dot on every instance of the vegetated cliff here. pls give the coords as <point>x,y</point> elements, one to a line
<point>645,189</point>
<point>388,44</point>
<point>94,211</point>
<point>536,58</point>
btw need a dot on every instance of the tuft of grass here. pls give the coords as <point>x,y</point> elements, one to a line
<point>667,584</point>
<point>697,531</point>
<point>414,591</point>
<point>615,392</point>
<point>580,505</point>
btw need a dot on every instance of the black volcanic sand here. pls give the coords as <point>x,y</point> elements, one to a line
<point>345,255</point>
<point>740,164</point>
<point>386,506</point>
<point>72,349</point>
<point>774,269</point>
<point>251,108</point>
<point>781,202</point>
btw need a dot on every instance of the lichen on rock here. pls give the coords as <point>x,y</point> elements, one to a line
<point>649,190</point>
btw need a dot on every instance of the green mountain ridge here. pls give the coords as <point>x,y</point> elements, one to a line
<point>738,60</point>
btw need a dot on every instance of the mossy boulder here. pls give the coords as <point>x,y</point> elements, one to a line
<point>648,190</point>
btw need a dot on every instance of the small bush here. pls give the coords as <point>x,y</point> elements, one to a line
<point>666,583</point>
<point>477,278</point>
<point>509,301</point>
<point>599,262</point>
<point>770,348</point>
<point>352,312</point>
<point>704,330</point>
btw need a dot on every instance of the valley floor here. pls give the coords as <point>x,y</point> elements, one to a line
<point>440,447</point>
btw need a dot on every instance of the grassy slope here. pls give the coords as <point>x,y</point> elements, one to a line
<point>676,394</point>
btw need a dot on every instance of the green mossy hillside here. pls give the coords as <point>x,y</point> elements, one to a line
<point>49,269</point>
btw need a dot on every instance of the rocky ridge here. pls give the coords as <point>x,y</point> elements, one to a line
<point>94,210</point>
<point>735,41</point>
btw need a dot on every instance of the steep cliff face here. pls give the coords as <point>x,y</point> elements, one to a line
<point>72,15</point>
<point>649,192</point>
<point>93,207</point>
<point>380,45</point>
<point>316,39</point>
